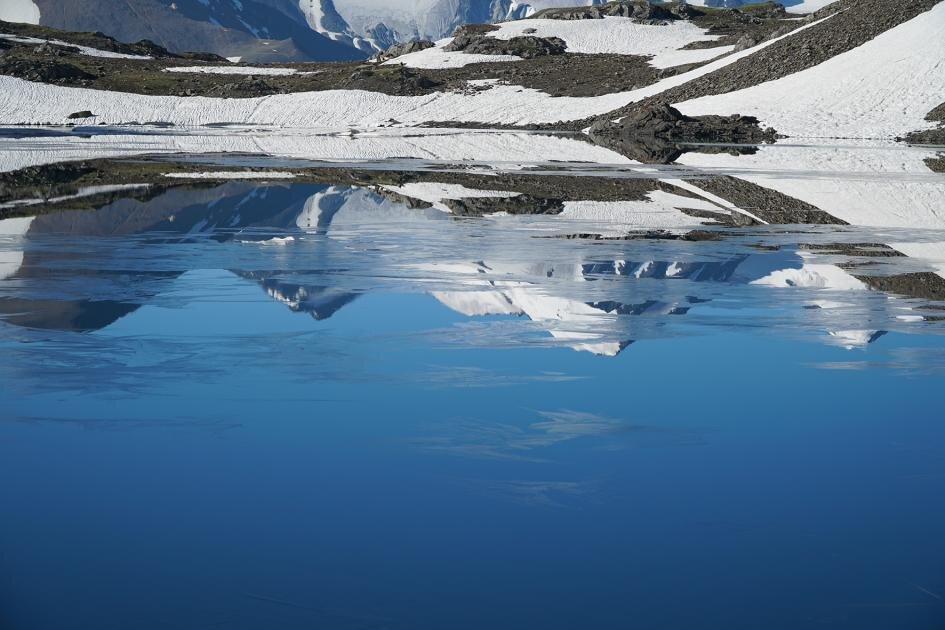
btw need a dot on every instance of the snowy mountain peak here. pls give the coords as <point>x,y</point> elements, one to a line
<point>323,18</point>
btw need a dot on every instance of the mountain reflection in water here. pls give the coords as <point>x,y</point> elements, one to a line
<point>316,248</point>
<point>464,399</point>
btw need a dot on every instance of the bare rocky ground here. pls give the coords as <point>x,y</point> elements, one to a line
<point>931,136</point>
<point>936,164</point>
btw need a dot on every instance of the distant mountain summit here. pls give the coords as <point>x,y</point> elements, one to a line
<point>405,20</point>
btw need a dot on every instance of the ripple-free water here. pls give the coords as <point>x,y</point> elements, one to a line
<point>391,417</point>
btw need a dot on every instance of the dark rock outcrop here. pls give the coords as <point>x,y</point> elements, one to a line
<point>936,164</point>
<point>44,70</point>
<point>930,136</point>
<point>398,50</point>
<point>519,204</point>
<point>923,285</point>
<point>769,205</point>
<point>475,40</point>
<point>640,10</point>
<point>661,122</point>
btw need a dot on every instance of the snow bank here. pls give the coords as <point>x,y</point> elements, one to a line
<point>23,11</point>
<point>84,50</point>
<point>882,89</point>
<point>622,36</point>
<point>612,35</point>
<point>23,102</point>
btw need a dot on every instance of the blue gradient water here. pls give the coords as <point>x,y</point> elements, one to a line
<point>189,441</point>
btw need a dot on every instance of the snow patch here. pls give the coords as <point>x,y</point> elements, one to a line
<point>622,36</point>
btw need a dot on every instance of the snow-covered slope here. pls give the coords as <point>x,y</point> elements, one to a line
<point>22,102</point>
<point>623,36</point>
<point>881,89</point>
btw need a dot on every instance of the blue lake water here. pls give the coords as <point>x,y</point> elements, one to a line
<point>215,416</point>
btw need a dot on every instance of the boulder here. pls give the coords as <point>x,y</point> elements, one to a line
<point>398,50</point>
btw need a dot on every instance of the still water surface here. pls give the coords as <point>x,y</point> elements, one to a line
<point>319,405</point>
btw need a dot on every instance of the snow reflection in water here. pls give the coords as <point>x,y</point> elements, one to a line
<point>316,248</point>
<point>342,383</point>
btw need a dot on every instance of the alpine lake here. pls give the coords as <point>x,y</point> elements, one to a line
<point>378,380</point>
